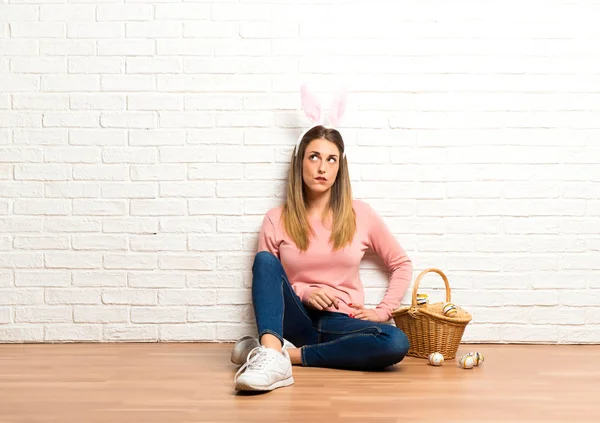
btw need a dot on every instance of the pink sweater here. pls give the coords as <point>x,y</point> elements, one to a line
<point>338,272</point>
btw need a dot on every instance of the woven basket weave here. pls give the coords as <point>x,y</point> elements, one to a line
<point>426,327</point>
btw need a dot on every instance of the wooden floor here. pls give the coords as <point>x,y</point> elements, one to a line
<point>169,383</point>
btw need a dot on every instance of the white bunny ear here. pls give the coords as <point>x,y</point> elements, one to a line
<point>338,108</point>
<point>311,105</point>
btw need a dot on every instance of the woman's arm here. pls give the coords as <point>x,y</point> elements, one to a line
<point>267,238</point>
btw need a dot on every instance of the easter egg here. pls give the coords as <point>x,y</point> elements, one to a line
<point>477,358</point>
<point>422,299</point>
<point>449,310</point>
<point>436,359</point>
<point>466,361</point>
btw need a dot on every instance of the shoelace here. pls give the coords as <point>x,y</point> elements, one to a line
<point>257,359</point>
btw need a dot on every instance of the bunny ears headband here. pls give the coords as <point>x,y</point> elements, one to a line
<point>314,111</point>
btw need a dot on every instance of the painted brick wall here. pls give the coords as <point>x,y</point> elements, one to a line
<point>141,144</point>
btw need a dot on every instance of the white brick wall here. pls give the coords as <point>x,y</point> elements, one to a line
<point>141,144</point>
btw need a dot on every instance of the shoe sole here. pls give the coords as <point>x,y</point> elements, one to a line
<point>241,386</point>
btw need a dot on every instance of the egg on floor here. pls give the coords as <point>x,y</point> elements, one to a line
<point>477,358</point>
<point>466,361</point>
<point>436,359</point>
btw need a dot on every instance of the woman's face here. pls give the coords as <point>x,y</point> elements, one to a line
<point>320,165</point>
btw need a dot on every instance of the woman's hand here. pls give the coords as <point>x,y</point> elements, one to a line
<point>320,300</point>
<point>364,313</point>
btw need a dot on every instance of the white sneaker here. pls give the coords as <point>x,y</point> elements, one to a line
<point>247,343</point>
<point>265,370</point>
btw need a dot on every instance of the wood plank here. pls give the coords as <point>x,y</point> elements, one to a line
<point>193,382</point>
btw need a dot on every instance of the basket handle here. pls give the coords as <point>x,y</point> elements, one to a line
<point>421,275</point>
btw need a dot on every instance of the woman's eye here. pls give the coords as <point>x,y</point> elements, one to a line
<point>314,156</point>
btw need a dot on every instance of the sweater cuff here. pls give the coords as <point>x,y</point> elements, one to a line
<point>384,316</point>
<point>305,295</point>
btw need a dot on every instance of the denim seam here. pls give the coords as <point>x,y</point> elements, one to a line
<point>352,332</point>
<point>282,314</point>
<point>297,301</point>
<point>319,331</point>
<point>354,335</point>
<point>295,297</point>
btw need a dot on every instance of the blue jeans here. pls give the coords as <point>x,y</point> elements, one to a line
<point>327,339</point>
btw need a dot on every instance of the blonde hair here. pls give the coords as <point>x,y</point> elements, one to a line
<point>294,217</point>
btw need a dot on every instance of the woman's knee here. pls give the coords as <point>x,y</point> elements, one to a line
<point>395,345</point>
<point>267,269</point>
<point>264,258</point>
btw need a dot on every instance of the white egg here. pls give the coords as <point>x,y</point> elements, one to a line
<point>436,359</point>
<point>477,358</point>
<point>466,362</point>
<point>449,310</point>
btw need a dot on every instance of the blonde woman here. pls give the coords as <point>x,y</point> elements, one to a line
<point>306,290</point>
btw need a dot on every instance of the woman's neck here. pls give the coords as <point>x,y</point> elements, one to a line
<point>318,205</point>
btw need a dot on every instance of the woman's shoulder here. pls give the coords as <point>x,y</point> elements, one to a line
<point>365,213</point>
<point>274,213</point>
<point>361,207</point>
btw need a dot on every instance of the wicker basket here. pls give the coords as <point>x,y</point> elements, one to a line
<point>426,327</point>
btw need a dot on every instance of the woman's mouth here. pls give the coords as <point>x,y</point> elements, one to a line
<point>321,179</point>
